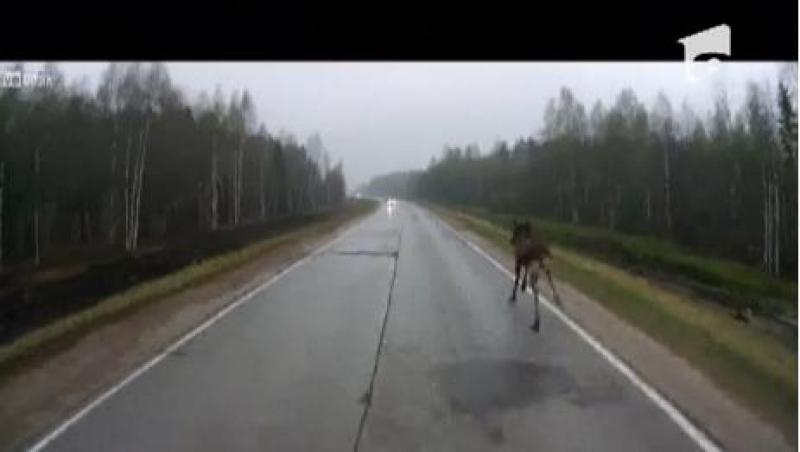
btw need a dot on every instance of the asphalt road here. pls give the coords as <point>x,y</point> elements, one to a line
<point>396,338</point>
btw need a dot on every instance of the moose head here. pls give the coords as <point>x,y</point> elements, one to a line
<point>520,230</point>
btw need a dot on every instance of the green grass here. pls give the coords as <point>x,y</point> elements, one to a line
<point>49,339</point>
<point>752,366</point>
<point>732,283</point>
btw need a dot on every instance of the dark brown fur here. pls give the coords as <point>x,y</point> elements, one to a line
<point>529,250</point>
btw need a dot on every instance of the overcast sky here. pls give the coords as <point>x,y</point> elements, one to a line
<point>381,117</point>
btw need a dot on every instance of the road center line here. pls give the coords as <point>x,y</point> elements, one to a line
<point>370,391</point>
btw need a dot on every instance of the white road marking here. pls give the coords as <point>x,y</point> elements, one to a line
<point>694,432</point>
<point>44,442</point>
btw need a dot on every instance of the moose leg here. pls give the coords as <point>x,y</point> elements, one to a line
<point>516,280</point>
<point>524,278</point>
<point>535,287</point>
<point>552,286</point>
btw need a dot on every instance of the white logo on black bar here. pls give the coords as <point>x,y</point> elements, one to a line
<point>28,79</point>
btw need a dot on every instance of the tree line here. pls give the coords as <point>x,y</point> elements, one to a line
<point>725,184</point>
<point>137,162</point>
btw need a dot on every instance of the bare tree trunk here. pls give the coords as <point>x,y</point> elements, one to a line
<point>612,215</point>
<point>20,226</point>
<point>767,223</point>
<point>140,182</point>
<point>126,195</point>
<point>2,187</point>
<point>311,199</point>
<point>36,168</point>
<point>214,188</point>
<point>776,235</point>
<point>585,202</point>
<point>667,190</point>
<point>48,214</point>
<point>130,189</point>
<point>573,196</point>
<point>75,228</point>
<point>200,217</point>
<point>774,217</point>
<point>261,190</point>
<point>236,189</point>
<point>299,199</point>
<point>36,256</point>
<point>603,211</point>
<point>87,226</point>
<point>307,197</point>
<point>789,211</point>
<point>767,247</point>
<point>648,207</point>
<point>110,217</point>
<point>614,208</point>
<point>273,205</point>
<point>130,171</point>
<point>134,177</point>
<point>734,192</point>
<point>239,183</point>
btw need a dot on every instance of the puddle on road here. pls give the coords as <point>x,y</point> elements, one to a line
<point>485,389</point>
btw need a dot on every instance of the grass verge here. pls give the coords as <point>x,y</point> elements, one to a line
<point>750,365</point>
<point>61,333</point>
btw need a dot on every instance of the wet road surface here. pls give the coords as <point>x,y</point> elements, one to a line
<point>397,337</point>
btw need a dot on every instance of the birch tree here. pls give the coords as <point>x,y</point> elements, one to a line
<point>2,189</point>
<point>133,160</point>
<point>664,128</point>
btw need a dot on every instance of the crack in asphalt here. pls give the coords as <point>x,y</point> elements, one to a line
<point>366,398</point>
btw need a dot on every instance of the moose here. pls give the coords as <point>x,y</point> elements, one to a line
<point>530,253</point>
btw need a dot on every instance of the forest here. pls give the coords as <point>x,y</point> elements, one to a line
<point>723,184</point>
<point>138,163</point>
